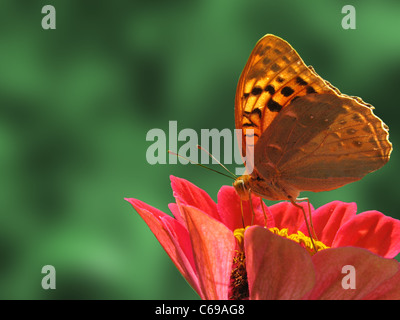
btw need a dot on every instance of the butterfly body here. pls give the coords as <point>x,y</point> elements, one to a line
<point>268,188</point>
<point>307,135</point>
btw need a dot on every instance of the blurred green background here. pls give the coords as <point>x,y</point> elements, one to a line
<point>76,104</point>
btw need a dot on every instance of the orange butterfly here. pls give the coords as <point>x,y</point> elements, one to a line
<point>307,135</point>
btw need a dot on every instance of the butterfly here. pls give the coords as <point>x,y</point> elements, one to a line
<point>307,136</point>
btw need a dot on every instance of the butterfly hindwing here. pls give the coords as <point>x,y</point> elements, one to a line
<point>321,142</point>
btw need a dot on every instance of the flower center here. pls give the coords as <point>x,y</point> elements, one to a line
<point>239,288</point>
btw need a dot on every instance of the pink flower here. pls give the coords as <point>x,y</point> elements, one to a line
<point>221,259</point>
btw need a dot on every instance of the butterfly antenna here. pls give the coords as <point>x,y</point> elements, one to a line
<point>200,165</point>
<point>203,149</point>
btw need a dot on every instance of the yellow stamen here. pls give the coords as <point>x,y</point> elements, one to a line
<point>298,237</point>
<point>239,235</point>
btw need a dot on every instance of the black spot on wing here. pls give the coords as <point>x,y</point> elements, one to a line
<point>256,91</point>
<point>266,60</point>
<point>257,112</point>
<point>287,91</point>
<point>310,90</point>
<point>367,129</point>
<point>301,81</point>
<point>357,118</point>
<point>273,105</point>
<point>275,67</point>
<point>269,88</point>
<point>280,79</point>
<point>247,125</point>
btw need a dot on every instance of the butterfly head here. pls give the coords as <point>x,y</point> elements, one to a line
<point>241,185</point>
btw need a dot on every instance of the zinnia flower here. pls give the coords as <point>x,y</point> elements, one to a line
<point>224,252</point>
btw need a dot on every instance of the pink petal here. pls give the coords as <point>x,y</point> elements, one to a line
<point>181,240</point>
<point>387,290</point>
<point>277,268</point>
<point>173,237</point>
<point>286,215</point>
<point>231,213</point>
<point>213,249</point>
<point>329,218</point>
<point>187,193</point>
<point>371,272</point>
<point>371,230</point>
<point>174,208</point>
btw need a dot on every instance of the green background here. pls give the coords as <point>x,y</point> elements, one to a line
<point>76,104</point>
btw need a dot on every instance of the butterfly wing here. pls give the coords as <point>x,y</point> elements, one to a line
<point>272,77</point>
<point>320,142</point>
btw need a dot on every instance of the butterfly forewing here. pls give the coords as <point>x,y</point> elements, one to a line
<point>272,77</point>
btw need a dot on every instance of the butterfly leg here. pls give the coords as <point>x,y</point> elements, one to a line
<point>310,234</point>
<point>251,208</point>
<point>309,215</point>
<point>241,210</point>
<point>263,209</point>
